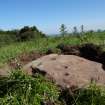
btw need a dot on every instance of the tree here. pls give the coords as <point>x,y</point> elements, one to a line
<point>28,33</point>
<point>91,32</point>
<point>34,28</point>
<point>63,30</point>
<point>75,31</point>
<point>99,30</point>
<point>82,29</point>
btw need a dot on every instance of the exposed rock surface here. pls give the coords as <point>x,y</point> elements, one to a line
<point>5,71</point>
<point>67,70</point>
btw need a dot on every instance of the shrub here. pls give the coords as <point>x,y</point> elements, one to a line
<point>28,33</point>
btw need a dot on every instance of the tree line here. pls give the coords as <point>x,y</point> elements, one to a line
<point>63,30</point>
<point>24,34</point>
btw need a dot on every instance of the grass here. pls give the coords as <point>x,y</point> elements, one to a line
<point>21,89</point>
<point>42,44</point>
<point>92,95</point>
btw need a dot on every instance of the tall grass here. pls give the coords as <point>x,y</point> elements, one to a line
<point>21,89</point>
<point>90,95</point>
<point>42,44</point>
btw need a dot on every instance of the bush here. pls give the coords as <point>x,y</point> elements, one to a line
<point>28,33</point>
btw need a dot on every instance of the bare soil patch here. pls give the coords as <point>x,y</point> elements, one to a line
<point>23,59</point>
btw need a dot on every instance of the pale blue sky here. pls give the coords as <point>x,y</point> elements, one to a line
<point>47,15</point>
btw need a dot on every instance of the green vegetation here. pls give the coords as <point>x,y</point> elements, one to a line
<point>90,95</point>
<point>42,44</point>
<point>28,33</point>
<point>24,34</point>
<point>21,89</point>
<point>63,30</point>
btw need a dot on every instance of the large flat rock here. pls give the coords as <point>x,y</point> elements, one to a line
<point>67,70</point>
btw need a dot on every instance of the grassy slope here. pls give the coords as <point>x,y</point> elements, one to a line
<point>10,51</point>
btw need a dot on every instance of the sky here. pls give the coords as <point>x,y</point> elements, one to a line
<point>48,15</point>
